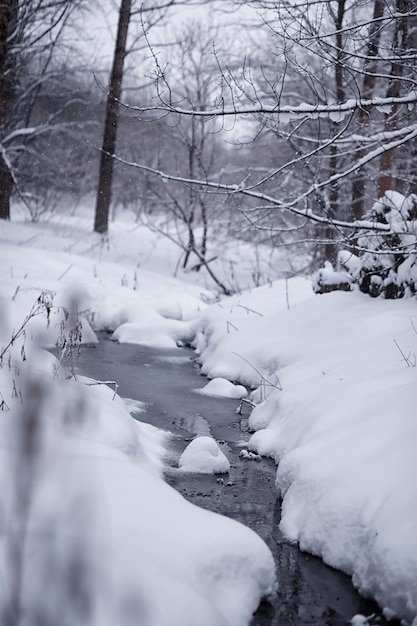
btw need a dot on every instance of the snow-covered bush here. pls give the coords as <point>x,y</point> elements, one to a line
<point>326,279</point>
<point>387,265</point>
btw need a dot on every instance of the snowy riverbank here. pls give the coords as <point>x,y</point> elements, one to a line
<point>335,407</point>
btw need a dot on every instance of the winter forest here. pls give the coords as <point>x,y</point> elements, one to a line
<point>208,323</point>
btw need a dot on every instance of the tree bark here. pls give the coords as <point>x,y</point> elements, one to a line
<point>400,42</point>
<point>6,188</point>
<point>331,249</point>
<point>6,180</point>
<point>369,81</point>
<point>104,191</point>
<point>4,11</point>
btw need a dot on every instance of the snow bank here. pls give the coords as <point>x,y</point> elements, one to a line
<point>223,388</point>
<point>154,330</point>
<point>143,552</point>
<point>336,395</point>
<point>203,456</point>
<point>108,293</point>
<point>80,479</point>
<point>334,383</point>
<point>227,333</point>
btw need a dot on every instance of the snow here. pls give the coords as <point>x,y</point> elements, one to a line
<point>326,279</point>
<point>332,378</point>
<point>388,266</point>
<point>204,456</point>
<point>223,388</point>
<point>151,557</point>
<point>359,620</point>
<point>93,474</point>
<point>335,409</point>
<point>249,456</point>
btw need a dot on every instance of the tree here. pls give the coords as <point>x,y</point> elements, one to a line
<point>339,95</point>
<point>111,120</point>
<point>368,85</point>
<point>31,40</point>
<point>404,40</point>
<point>196,150</point>
<point>8,10</point>
<point>156,13</point>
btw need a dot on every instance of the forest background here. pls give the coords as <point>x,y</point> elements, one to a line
<point>280,123</point>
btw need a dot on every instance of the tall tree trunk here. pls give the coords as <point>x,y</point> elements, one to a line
<point>4,23</point>
<point>330,249</point>
<point>385,180</point>
<point>104,191</point>
<point>192,199</point>
<point>6,180</point>
<point>6,188</point>
<point>359,182</point>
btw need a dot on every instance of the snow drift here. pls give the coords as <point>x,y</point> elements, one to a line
<point>336,392</point>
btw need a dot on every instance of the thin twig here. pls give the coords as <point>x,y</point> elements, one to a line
<point>248,310</point>
<point>411,362</point>
<point>264,380</point>
<point>105,382</point>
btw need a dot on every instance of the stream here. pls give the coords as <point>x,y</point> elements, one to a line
<point>309,591</point>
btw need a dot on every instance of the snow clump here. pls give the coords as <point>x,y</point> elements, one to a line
<point>203,456</point>
<point>223,388</point>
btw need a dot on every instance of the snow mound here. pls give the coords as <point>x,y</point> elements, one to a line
<point>224,389</point>
<point>360,620</point>
<point>336,410</point>
<point>169,308</point>
<point>148,327</point>
<point>140,552</point>
<point>203,456</point>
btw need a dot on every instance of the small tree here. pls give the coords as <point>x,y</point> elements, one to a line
<point>388,263</point>
<point>196,151</point>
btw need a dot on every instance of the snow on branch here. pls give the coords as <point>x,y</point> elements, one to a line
<point>287,113</point>
<point>293,205</point>
<point>36,131</point>
<point>266,198</point>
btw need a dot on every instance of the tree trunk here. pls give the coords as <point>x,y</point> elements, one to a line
<point>6,180</point>
<point>5,11</point>
<point>330,248</point>
<point>6,188</point>
<point>111,121</point>
<point>359,182</point>
<point>385,181</point>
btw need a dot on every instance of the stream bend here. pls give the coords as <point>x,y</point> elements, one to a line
<point>164,380</point>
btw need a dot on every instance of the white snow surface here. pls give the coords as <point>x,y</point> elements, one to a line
<point>333,379</point>
<point>203,455</point>
<point>222,387</point>
<point>100,511</point>
<point>334,382</point>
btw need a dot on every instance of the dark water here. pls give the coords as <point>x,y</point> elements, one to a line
<point>309,591</point>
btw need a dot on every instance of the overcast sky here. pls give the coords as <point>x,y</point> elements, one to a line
<point>99,26</point>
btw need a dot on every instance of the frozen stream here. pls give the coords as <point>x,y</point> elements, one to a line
<point>309,591</point>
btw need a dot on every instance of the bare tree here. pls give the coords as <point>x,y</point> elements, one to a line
<point>110,124</point>
<point>8,11</point>
<point>197,151</point>
<point>402,71</point>
<point>155,13</point>
<point>31,40</point>
<point>340,98</point>
<point>369,80</point>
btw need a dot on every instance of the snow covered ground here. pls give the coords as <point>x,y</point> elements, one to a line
<point>333,380</point>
